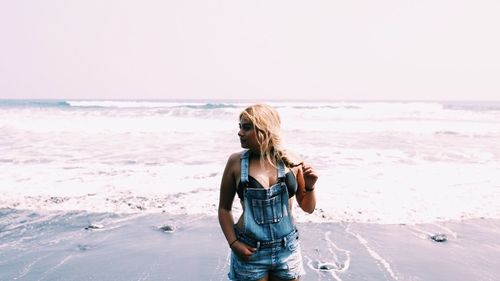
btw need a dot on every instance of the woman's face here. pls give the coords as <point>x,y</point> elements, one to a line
<point>248,137</point>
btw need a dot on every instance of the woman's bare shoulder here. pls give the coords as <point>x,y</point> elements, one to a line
<point>234,160</point>
<point>235,156</point>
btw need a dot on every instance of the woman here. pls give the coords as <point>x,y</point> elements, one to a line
<point>264,241</point>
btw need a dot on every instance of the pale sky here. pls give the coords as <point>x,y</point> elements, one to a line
<point>171,49</point>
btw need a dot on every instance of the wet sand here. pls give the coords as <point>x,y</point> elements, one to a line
<point>86,246</point>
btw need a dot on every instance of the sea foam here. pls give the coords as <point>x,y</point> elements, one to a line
<point>379,162</point>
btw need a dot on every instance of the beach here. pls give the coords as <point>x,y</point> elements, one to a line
<point>86,246</point>
<point>128,190</point>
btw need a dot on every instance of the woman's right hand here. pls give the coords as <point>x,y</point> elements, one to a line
<point>243,250</point>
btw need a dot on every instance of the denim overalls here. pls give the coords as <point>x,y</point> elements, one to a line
<point>268,227</point>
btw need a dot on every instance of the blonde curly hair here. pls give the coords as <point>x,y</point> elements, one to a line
<point>267,125</point>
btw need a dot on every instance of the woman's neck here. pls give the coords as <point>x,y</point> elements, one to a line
<point>255,154</point>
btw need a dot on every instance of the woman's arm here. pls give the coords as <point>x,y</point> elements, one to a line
<point>226,221</point>
<point>306,179</point>
<point>226,198</point>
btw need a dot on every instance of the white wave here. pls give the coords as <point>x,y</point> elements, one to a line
<point>130,104</point>
<point>439,164</point>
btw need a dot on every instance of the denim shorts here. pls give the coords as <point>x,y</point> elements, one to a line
<point>282,260</point>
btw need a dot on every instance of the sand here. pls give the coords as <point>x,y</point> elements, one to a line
<point>62,246</point>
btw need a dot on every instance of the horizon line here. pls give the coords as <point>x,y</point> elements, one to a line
<point>245,100</point>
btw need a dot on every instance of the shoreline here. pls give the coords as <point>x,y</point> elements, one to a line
<point>94,246</point>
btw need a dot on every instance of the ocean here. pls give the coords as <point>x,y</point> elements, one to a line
<point>379,162</point>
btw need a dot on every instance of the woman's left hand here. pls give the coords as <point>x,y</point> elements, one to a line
<point>310,175</point>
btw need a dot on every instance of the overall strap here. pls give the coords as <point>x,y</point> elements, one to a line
<point>245,155</point>
<point>281,170</point>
